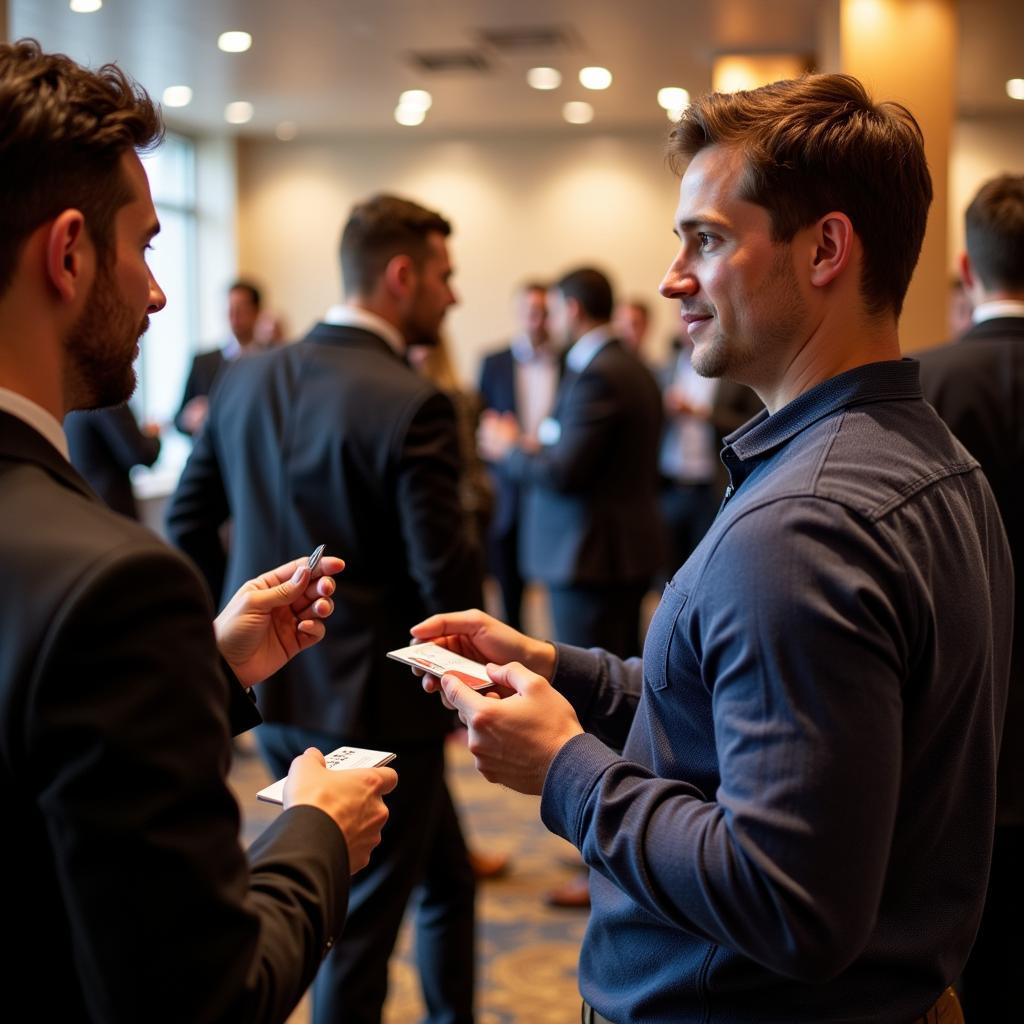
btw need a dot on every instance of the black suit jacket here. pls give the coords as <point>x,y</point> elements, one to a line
<point>104,445</point>
<point>129,896</point>
<point>202,375</point>
<point>977,386</point>
<point>590,513</point>
<point>336,440</point>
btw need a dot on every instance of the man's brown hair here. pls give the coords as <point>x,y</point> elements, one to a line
<point>63,129</point>
<point>817,144</point>
<point>995,233</point>
<point>379,229</point>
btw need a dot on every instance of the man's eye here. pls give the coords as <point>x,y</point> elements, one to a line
<point>704,239</point>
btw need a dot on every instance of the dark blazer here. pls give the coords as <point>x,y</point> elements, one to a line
<point>201,377</point>
<point>121,832</point>
<point>104,445</point>
<point>337,441</point>
<point>977,386</point>
<point>590,513</point>
<point>498,392</point>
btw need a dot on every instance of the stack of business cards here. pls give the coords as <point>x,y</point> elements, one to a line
<point>438,660</point>
<point>337,760</point>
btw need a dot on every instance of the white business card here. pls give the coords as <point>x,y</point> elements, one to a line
<point>437,660</point>
<point>342,759</point>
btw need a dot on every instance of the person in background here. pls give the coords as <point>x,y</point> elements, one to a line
<point>132,898</point>
<point>244,301</point>
<point>105,445</point>
<point>632,325</point>
<point>976,384</point>
<point>337,439</point>
<point>518,382</point>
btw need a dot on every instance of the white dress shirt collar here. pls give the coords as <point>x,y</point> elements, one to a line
<point>356,316</point>
<point>36,417</point>
<point>587,346</point>
<point>997,308</point>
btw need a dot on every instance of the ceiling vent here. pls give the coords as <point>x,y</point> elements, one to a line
<point>529,38</point>
<point>436,61</point>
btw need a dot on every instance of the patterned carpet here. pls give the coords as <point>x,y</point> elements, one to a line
<point>526,953</point>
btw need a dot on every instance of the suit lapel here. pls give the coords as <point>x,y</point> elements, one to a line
<point>21,443</point>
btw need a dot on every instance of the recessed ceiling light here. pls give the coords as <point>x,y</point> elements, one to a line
<point>85,6</point>
<point>578,112</point>
<point>177,96</point>
<point>239,112</point>
<point>544,78</point>
<point>595,78</point>
<point>286,131</point>
<point>673,98</point>
<point>415,99</point>
<point>1015,88</point>
<point>409,116</point>
<point>234,42</point>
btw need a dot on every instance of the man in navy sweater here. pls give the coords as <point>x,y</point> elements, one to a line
<point>799,824</point>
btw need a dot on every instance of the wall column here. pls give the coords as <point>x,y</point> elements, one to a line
<point>906,50</point>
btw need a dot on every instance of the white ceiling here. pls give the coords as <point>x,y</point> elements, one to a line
<point>337,66</point>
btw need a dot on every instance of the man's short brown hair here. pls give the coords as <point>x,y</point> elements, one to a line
<point>817,144</point>
<point>379,229</point>
<point>63,130</point>
<point>995,233</point>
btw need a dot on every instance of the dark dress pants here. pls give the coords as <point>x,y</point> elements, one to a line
<point>422,849</point>
<point>600,615</point>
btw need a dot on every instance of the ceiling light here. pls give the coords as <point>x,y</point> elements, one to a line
<point>177,96</point>
<point>578,112</point>
<point>595,78</point>
<point>1015,88</point>
<point>544,78</point>
<point>234,42</point>
<point>85,6</point>
<point>409,116</point>
<point>239,112</point>
<point>673,98</point>
<point>286,131</point>
<point>415,99</point>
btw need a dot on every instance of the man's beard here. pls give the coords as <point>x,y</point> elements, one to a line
<point>101,347</point>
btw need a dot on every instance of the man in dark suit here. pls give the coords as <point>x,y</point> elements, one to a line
<point>116,696</point>
<point>519,381</point>
<point>977,386</point>
<point>244,301</point>
<point>337,439</point>
<point>104,445</point>
<point>590,519</point>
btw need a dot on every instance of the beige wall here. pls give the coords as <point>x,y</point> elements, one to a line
<point>522,207</point>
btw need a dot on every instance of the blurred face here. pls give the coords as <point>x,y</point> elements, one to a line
<point>631,325</point>
<point>532,312</point>
<point>242,314</point>
<point>738,293</point>
<point>103,343</point>
<point>432,295</point>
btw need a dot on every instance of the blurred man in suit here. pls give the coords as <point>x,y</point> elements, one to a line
<point>590,519</point>
<point>132,898</point>
<point>518,381</point>
<point>244,301</point>
<point>336,439</point>
<point>976,384</point>
<point>632,325</point>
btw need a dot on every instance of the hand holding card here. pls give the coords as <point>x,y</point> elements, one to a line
<point>438,660</point>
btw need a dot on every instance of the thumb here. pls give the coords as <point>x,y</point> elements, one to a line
<point>461,697</point>
<point>514,676</point>
<point>282,593</point>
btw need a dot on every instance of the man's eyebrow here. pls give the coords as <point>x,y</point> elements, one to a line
<point>706,221</point>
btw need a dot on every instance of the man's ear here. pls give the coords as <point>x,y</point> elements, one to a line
<point>70,255</point>
<point>966,271</point>
<point>399,275</point>
<point>832,248</point>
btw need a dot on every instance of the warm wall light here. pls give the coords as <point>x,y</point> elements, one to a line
<point>409,116</point>
<point>85,6</point>
<point>177,96</point>
<point>234,42</point>
<point>731,72</point>
<point>544,78</point>
<point>1015,88</point>
<point>286,131</point>
<point>578,112</point>
<point>673,98</point>
<point>595,78</point>
<point>239,112</point>
<point>415,99</point>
